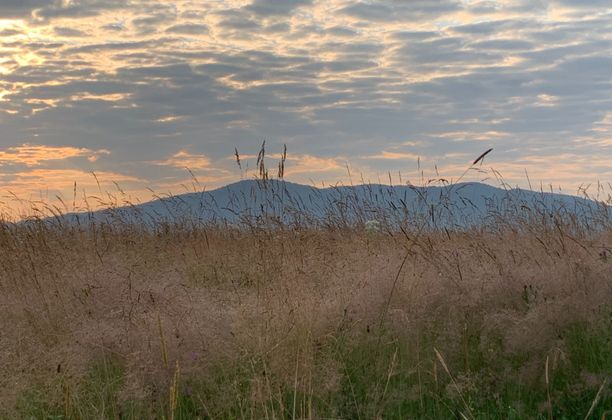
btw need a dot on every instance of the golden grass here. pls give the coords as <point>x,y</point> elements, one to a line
<point>175,304</point>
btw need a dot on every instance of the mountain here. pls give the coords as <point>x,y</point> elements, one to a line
<point>253,202</point>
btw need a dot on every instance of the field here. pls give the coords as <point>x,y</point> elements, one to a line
<point>118,321</point>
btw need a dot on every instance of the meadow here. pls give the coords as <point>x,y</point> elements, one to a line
<point>343,321</point>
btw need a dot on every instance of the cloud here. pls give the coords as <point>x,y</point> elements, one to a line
<point>10,32</point>
<point>413,35</point>
<point>68,32</point>
<point>183,159</point>
<point>42,10</point>
<point>276,7</point>
<point>313,165</point>
<point>35,155</point>
<point>484,7</point>
<point>379,12</point>
<point>341,31</point>
<point>584,4</point>
<point>114,27</point>
<point>22,8</point>
<point>36,185</point>
<point>492,27</point>
<point>112,46</point>
<point>390,155</point>
<point>237,20</point>
<point>188,29</point>
<point>395,10</point>
<point>503,44</point>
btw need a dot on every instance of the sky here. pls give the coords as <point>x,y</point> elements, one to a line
<point>137,91</point>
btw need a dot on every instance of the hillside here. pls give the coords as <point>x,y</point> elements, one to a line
<point>253,201</point>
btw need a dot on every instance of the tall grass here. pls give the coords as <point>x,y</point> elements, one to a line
<point>317,318</point>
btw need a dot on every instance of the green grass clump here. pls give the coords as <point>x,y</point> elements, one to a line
<point>95,395</point>
<point>378,375</point>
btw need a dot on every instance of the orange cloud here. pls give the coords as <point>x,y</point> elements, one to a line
<point>307,164</point>
<point>473,135</point>
<point>35,155</point>
<point>38,190</point>
<point>183,159</point>
<point>385,155</point>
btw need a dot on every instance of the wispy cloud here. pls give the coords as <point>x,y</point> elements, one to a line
<point>185,160</point>
<point>35,155</point>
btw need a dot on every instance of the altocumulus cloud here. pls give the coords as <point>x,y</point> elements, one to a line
<point>139,90</point>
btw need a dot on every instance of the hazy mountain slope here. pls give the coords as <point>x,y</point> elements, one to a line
<point>254,201</point>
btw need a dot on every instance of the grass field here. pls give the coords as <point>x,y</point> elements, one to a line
<point>107,322</point>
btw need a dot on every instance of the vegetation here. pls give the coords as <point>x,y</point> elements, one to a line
<point>181,321</point>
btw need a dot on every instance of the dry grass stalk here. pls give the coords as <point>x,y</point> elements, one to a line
<point>596,399</point>
<point>447,370</point>
<point>549,401</point>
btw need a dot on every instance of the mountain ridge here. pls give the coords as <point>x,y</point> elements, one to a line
<point>255,201</point>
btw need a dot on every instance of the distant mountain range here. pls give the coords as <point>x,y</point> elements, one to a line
<point>253,202</point>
